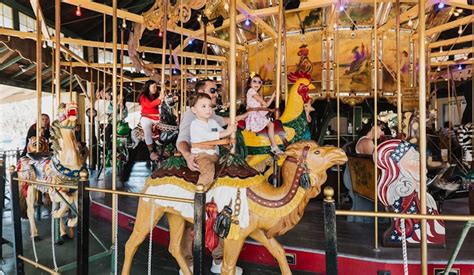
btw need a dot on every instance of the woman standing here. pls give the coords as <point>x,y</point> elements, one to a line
<point>150,101</point>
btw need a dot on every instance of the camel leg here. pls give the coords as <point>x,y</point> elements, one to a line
<point>177,223</point>
<point>274,248</point>
<point>30,210</point>
<point>140,231</point>
<point>232,250</point>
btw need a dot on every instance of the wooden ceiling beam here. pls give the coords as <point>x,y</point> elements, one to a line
<point>452,52</point>
<point>97,7</point>
<point>129,65</point>
<point>31,66</point>
<point>10,62</point>
<point>443,27</point>
<point>97,44</point>
<point>245,10</point>
<point>43,72</point>
<point>448,63</point>
<point>452,41</point>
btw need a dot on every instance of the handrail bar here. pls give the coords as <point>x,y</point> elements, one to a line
<point>458,218</point>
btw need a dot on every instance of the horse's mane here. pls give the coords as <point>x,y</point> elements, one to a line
<point>289,221</point>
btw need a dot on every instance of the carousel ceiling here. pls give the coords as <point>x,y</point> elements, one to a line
<point>257,21</point>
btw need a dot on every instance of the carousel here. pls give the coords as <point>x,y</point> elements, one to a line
<point>237,137</point>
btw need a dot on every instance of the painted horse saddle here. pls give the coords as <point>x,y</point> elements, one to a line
<point>279,130</point>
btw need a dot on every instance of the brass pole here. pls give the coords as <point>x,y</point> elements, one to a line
<point>104,102</point>
<point>405,216</point>
<point>57,52</point>
<point>422,139</point>
<point>163,51</point>
<point>39,67</point>
<point>338,99</point>
<point>232,65</point>
<point>278,61</point>
<point>171,67</point>
<point>450,118</point>
<point>91,129</point>
<point>399,75</point>
<point>376,90</point>
<point>70,79</point>
<point>114,123</point>
<point>38,265</point>
<point>256,48</point>
<point>205,49</point>
<point>121,74</point>
<point>52,82</point>
<point>182,76</point>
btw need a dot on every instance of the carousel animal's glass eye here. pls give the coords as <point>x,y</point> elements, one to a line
<point>317,152</point>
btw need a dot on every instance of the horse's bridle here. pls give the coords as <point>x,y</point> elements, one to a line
<point>300,163</point>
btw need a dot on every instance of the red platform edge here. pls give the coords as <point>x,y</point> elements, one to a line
<point>305,259</point>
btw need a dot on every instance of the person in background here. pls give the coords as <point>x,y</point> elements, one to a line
<point>150,100</point>
<point>366,145</point>
<point>44,131</point>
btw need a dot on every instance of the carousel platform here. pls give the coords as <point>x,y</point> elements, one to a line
<point>304,244</point>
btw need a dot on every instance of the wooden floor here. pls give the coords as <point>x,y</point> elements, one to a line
<point>354,239</point>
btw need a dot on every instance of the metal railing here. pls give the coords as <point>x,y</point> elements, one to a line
<point>330,214</point>
<point>83,189</point>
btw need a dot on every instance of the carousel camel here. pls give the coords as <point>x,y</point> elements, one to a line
<point>64,165</point>
<point>270,211</point>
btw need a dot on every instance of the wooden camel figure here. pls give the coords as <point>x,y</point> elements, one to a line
<point>293,120</point>
<point>270,211</point>
<point>64,165</point>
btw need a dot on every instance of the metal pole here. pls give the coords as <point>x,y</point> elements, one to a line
<point>121,73</point>
<point>422,108</point>
<point>233,66</point>
<point>330,232</point>
<point>399,75</point>
<point>2,200</point>
<point>70,79</point>
<point>205,49</point>
<point>376,90</point>
<point>52,82</point>
<point>114,119</point>
<point>92,128</point>
<point>336,41</point>
<point>83,224</point>
<point>163,50</point>
<point>278,61</point>
<point>39,67</point>
<point>199,229</point>
<point>57,51</point>
<point>16,221</point>
<point>450,118</point>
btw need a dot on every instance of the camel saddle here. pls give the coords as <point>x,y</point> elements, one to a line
<point>232,166</point>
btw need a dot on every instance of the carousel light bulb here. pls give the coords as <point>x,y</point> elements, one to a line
<point>87,69</point>
<point>124,24</point>
<point>341,8</point>
<point>78,11</point>
<point>247,22</point>
<point>199,18</point>
<point>194,62</point>
<point>440,5</point>
<point>466,57</point>
<point>438,69</point>
<point>459,10</point>
<point>44,45</point>
<point>410,23</point>
<point>143,55</point>
<point>131,84</point>
<point>460,30</point>
<point>226,6</point>
<point>190,41</point>
<point>160,34</point>
<point>440,49</point>
<point>460,67</point>
<point>456,13</point>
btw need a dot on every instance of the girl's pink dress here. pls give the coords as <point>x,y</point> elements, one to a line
<point>256,121</point>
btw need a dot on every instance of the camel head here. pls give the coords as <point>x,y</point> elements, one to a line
<point>68,114</point>
<point>318,158</point>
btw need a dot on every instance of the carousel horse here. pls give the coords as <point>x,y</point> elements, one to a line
<point>259,210</point>
<point>291,126</point>
<point>165,132</point>
<point>63,165</point>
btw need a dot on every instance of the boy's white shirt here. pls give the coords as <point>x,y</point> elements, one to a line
<point>202,131</point>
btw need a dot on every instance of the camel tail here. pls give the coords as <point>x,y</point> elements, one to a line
<point>23,186</point>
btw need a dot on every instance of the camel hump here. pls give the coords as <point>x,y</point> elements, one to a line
<point>232,171</point>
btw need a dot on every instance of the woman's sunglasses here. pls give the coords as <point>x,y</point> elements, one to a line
<point>257,81</point>
<point>213,90</point>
